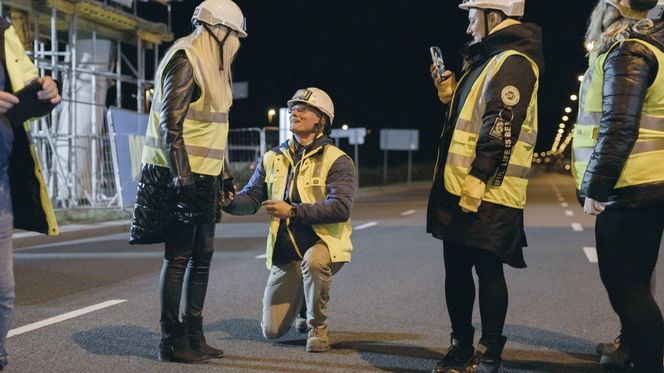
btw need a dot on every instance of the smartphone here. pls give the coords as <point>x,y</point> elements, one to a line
<point>437,58</point>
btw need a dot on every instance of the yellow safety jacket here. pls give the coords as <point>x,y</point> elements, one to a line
<point>512,191</point>
<point>311,185</point>
<point>205,128</point>
<point>649,145</point>
<point>21,71</point>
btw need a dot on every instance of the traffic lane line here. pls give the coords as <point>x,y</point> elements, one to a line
<point>365,226</point>
<point>569,212</point>
<point>64,317</point>
<point>409,212</point>
<point>577,227</point>
<point>591,254</point>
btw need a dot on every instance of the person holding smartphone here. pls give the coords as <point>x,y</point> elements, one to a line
<point>479,189</point>
<point>307,186</point>
<point>183,162</point>
<point>24,201</point>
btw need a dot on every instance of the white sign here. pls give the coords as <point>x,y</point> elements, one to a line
<point>126,3</point>
<point>240,90</point>
<point>284,125</point>
<point>355,135</point>
<point>399,139</point>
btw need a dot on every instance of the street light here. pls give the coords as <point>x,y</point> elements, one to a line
<point>344,127</point>
<point>580,78</point>
<point>270,115</point>
<point>573,97</point>
<point>565,118</point>
<point>568,110</point>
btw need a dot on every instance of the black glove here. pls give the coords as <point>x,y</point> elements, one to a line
<point>228,192</point>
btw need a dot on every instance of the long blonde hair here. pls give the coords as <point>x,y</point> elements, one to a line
<point>216,83</point>
<point>600,36</point>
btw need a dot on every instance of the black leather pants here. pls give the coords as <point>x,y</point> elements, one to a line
<point>189,250</point>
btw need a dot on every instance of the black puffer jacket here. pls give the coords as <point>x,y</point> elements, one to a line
<point>630,69</point>
<point>173,195</point>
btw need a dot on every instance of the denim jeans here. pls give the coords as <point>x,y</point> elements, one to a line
<point>6,229</point>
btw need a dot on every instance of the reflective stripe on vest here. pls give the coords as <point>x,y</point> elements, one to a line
<point>205,129</point>
<point>638,167</point>
<point>512,192</point>
<point>312,187</point>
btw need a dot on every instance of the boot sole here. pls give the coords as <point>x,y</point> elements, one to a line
<point>170,359</point>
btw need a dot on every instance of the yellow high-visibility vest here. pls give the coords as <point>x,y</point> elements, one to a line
<point>205,128</point>
<point>311,185</point>
<point>649,147</point>
<point>512,191</point>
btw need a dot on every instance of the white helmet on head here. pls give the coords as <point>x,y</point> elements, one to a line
<point>314,97</point>
<point>635,9</point>
<point>221,12</point>
<point>511,8</point>
<point>657,12</point>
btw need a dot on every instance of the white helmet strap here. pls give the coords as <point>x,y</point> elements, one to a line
<point>220,43</point>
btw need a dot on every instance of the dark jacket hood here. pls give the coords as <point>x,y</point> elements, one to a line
<point>524,37</point>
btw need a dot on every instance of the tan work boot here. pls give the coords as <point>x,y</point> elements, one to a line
<point>318,340</point>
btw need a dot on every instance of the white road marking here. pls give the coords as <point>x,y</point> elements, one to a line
<point>569,212</point>
<point>262,256</point>
<point>409,212</point>
<point>365,226</point>
<point>63,317</point>
<point>564,204</point>
<point>130,255</point>
<point>591,254</point>
<point>577,227</point>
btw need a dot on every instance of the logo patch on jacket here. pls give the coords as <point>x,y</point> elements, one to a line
<point>497,129</point>
<point>510,95</point>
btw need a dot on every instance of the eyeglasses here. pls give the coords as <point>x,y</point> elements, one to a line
<point>301,108</point>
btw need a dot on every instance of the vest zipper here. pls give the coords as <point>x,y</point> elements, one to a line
<point>296,168</point>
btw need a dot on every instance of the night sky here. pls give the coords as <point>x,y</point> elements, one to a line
<point>372,57</point>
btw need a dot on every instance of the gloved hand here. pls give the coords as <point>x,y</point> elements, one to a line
<point>472,192</point>
<point>227,194</point>
<point>444,86</point>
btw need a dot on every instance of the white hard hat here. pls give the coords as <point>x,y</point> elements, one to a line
<point>314,97</point>
<point>221,12</point>
<point>657,12</point>
<point>649,8</point>
<point>511,8</point>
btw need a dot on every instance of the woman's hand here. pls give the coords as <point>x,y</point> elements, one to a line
<point>49,90</point>
<point>445,86</point>
<point>592,207</point>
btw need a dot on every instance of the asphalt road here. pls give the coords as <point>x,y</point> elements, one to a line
<point>387,311</point>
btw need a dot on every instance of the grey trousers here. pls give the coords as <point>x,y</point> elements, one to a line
<point>289,283</point>
<point>6,280</point>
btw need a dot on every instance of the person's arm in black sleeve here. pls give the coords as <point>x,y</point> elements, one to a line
<point>248,200</point>
<point>518,73</point>
<point>629,70</point>
<point>340,185</point>
<point>178,89</point>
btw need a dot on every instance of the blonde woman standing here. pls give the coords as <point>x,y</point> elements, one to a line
<point>618,155</point>
<point>183,160</point>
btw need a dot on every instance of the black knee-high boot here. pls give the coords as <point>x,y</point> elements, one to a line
<point>174,345</point>
<point>196,280</point>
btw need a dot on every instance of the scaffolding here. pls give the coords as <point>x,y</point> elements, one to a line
<point>90,47</point>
